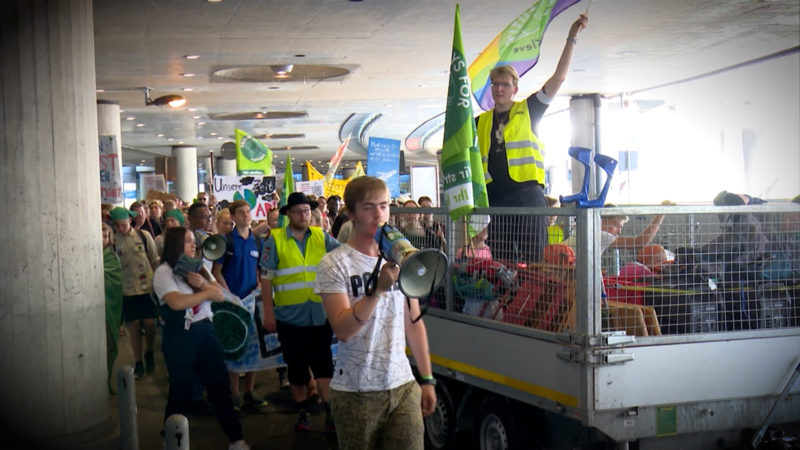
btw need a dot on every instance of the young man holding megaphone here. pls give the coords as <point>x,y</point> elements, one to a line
<point>375,399</point>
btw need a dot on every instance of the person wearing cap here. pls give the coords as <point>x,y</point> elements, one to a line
<point>173,218</point>
<point>511,152</point>
<point>137,255</point>
<point>289,260</point>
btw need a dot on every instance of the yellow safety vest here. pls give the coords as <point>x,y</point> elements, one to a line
<point>525,162</point>
<point>293,283</point>
<point>555,235</point>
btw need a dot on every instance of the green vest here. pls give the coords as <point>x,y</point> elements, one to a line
<point>293,283</point>
<point>525,162</point>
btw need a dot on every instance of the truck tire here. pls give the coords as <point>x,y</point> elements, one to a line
<point>496,429</point>
<point>440,426</point>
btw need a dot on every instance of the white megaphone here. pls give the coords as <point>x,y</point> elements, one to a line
<point>421,271</point>
<point>212,246</point>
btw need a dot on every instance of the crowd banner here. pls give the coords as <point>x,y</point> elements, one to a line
<point>334,187</point>
<point>257,190</point>
<point>315,187</point>
<point>253,157</point>
<point>462,169</point>
<point>154,182</point>
<point>110,171</point>
<point>383,161</point>
<point>253,360</point>
<point>518,45</point>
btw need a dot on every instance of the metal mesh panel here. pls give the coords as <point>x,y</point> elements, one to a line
<point>713,272</point>
<point>717,272</point>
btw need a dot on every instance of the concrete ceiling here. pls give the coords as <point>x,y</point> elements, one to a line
<point>398,55</point>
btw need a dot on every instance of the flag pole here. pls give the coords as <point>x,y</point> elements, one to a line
<point>587,8</point>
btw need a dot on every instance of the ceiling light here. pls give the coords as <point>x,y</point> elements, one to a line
<point>192,57</point>
<point>160,135</point>
<point>187,89</point>
<point>187,75</point>
<point>213,134</point>
<point>195,117</point>
<point>173,101</point>
<point>139,124</point>
<point>99,90</point>
<point>200,124</point>
<point>282,70</point>
<point>191,109</point>
<point>130,118</point>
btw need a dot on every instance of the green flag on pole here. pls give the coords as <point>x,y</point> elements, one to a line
<point>464,184</point>
<point>253,157</point>
<point>288,188</point>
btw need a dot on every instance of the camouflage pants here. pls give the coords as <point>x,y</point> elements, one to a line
<point>381,419</point>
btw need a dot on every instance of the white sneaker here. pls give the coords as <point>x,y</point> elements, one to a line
<point>239,445</point>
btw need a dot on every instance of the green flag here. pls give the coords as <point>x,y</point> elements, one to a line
<point>464,184</point>
<point>288,188</point>
<point>253,157</point>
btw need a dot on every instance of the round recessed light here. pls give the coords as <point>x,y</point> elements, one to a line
<point>170,139</point>
<point>140,125</point>
<point>99,90</point>
<point>213,134</point>
<point>160,135</point>
<point>130,118</point>
<point>187,89</point>
<point>200,124</point>
<point>187,75</point>
<point>192,57</point>
<point>180,142</point>
<point>195,117</point>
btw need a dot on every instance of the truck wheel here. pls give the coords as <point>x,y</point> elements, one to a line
<point>496,426</point>
<point>440,426</point>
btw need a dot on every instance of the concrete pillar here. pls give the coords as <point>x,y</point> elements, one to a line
<point>225,166</point>
<point>210,168</point>
<point>108,124</point>
<point>186,178</point>
<point>583,111</point>
<point>52,313</point>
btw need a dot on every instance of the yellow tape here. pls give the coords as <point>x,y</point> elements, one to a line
<point>558,397</point>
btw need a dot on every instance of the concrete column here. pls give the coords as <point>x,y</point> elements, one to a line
<point>583,120</point>
<point>52,313</point>
<point>186,178</point>
<point>225,166</point>
<point>108,124</point>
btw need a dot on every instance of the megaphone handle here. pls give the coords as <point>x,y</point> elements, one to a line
<point>372,282</point>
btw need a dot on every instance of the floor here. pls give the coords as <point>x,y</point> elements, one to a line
<point>272,427</point>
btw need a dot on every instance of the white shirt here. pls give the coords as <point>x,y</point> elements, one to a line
<point>374,359</point>
<point>165,281</point>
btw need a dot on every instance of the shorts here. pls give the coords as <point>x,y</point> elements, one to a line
<point>304,348</point>
<point>389,419</point>
<point>137,307</point>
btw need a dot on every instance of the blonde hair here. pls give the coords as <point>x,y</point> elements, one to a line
<point>505,70</point>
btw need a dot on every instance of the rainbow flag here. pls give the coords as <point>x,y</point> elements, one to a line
<point>518,45</point>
